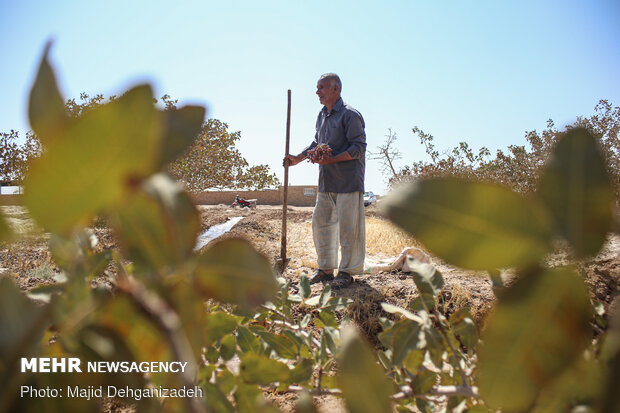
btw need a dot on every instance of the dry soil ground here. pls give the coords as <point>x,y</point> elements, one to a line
<point>28,262</point>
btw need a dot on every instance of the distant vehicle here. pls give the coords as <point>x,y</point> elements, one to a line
<point>243,203</point>
<point>369,199</point>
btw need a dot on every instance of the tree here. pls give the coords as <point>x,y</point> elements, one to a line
<point>213,161</point>
<point>15,157</point>
<point>605,126</point>
<point>520,166</point>
<point>387,154</point>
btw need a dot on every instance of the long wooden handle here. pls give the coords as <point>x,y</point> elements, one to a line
<point>285,193</point>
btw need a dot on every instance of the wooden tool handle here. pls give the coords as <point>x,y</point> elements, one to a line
<point>285,192</point>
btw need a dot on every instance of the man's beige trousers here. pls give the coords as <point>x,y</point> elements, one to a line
<point>339,219</point>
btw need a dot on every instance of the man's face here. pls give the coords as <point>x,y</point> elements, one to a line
<point>327,91</point>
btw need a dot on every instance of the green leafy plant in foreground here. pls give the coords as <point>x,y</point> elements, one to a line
<point>171,303</point>
<point>109,162</point>
<point>538,335</point>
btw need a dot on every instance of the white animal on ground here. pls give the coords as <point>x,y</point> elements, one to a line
<point>397,263</point>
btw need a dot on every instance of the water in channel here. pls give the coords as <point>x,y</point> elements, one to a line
<point>215,231</point>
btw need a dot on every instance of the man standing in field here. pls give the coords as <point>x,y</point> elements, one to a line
<point>338,216</point>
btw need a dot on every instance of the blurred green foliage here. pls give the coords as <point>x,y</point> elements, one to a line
<point>540,327</point>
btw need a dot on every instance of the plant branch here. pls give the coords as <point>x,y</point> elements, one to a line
<point>406,392</point>
<point>453,350</point>
<point>300,330</point>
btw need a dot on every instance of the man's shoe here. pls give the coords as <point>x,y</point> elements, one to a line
<point>321,276</point>
<point>342,280</point>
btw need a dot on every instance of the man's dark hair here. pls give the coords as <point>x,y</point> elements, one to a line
<point>334,77</point>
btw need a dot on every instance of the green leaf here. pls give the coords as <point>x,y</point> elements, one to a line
<point>337,303</point>
<point>328,317</point>
<point>295,336</point>
<point>206,372</point>
<point>470,224</point>
<point>385,358</point>
<point>92,167</point>
<point>191,311</point>
<point>424,381</point>
<point>331,337</point>
<point>75,253</point>
<point>540,326</point>
<point>329,381</point>
<point>313,301</point>
<point>305,321</point>
<point>257,329</point>
<point>248,398</point>
<point>424,406</point>
<point>577,190</point>
<point>610,355</point>
<point>212,355</point>
<point>226,380</point>
<point>325,295</point>
<point>22,324</point>
<point>294,298</point>
<point>428,281</point>
<point>361,379</point>
<point>423,302</point>
<point>262,370</point>
<point>46,108</point>
<point>247,341</point>
<point>580,384</point>
<point>218,324</point>
<point>216,400</point>
<point>426,277</point>
<point>228,348</point>
<point>180,129</point>
<point>233,271</point>
<point>464,327</point>
<point>143,339</point>
<point>158,227</point>
<point>101,343</point>
<point>302,372</point>
<point>408,336</point>
<point>414,360</point>
<point>282,345</point>
<point>304,287</point>
<point>435,345</point>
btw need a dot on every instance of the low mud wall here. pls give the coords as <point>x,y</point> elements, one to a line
<point>10,199</point>
<point>297,196</point>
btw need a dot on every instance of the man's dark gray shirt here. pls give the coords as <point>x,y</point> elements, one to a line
<point>343,130</point>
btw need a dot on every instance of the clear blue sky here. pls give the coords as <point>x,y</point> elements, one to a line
<point>480,71</point>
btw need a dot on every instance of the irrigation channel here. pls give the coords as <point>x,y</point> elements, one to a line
<point>215,231</point>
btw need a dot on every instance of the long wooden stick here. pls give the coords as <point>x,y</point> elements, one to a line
<point>285,194</point>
